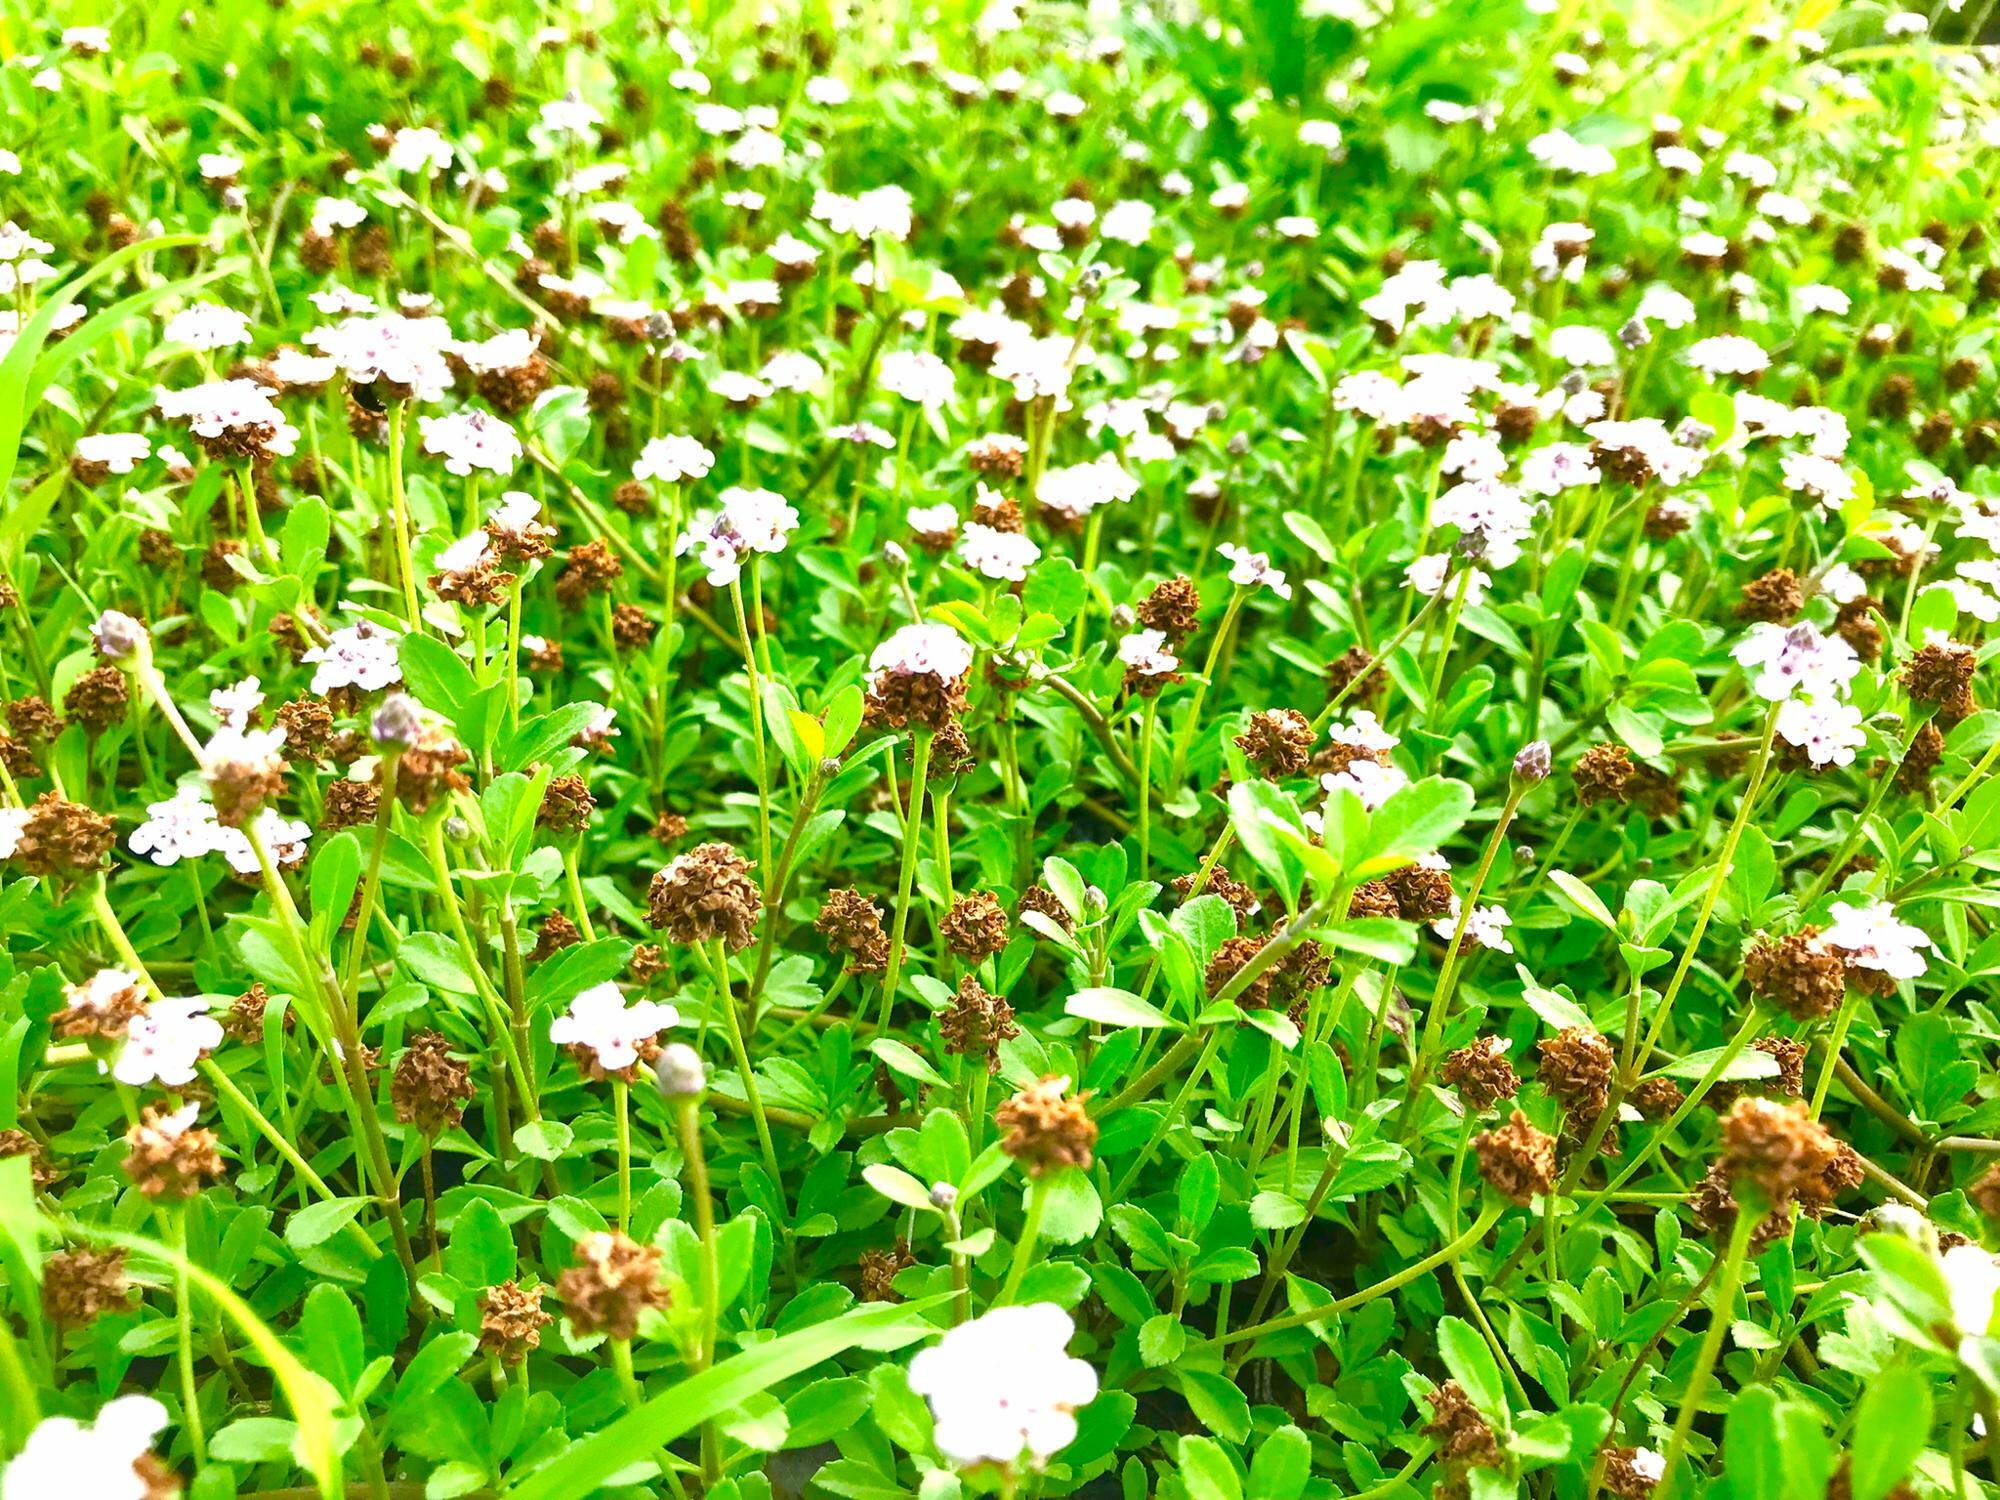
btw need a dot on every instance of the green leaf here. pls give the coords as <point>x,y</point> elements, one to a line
<point>1207,1472</point>
<point>481,1252</point>
<point>1282,1466</point>
<point>638,1435</point>
<point>544,1140</point>
<point>1466,1355</point>
<point>1892,1426</point>
<point>898,1186</point>
<point>318,1222</point>
<point>1114,1007</point>
<point>1583,898</point>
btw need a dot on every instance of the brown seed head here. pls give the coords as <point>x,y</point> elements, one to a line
<point>614,1280</point>
<point>704,894</point>
<point>1045,1130</point>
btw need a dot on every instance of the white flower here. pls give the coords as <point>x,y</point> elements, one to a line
<point>939,520</point>
<point>363,655</point>
<point>1487,927</point>
<point>1822,478</point>
<point>12,821</point>
<point>791,370</point>
<point>1373,781</point>
<point>403,351</point>
<point>102,997</point>
<point>1128,221</point>
<point>1580,346</point>
<point>1728,354</point>
<point>922,378</point>
<point>600,1020</point>
<point>672,459</point>
<point>469,440</point>
<point>1249,570</point>
<point>284,839</point>
<point>1003,1388</point>
<point>737,388</point>
<point>569,115</point>
<point>64,1458</point>
<point>1827,729</point>
<point>1005,556</point>
<point>164,1044</point>
<point>86,41</point>
<point>240,410</point>
<point>1145,652</point>
<point>1792,658</point>
<point>1562,152</point>
<point>419,149</point>
<point>1080,488</point>
<point>466,553</point>
<point>120,452</point>
<point>827,92</point>
<point>206,326</point>
<point>923,650</point>
<point>182,827</point>
<point>1665,306</point>
<point>234,705</point>
<point>1874,937</point>
<point>1972,1278</point>
<point>883,211</point>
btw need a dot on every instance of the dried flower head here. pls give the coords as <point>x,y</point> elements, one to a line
<point>1045,1130</point>
<point>614,1281</point>
<point>705,894</point>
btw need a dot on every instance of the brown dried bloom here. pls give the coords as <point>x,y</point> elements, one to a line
<point>430,1088</point>
<point>308,726</point>
<point>566,805</point>
<point>704,894</point>
<point>1278,742</point>
<point>1798,973</point>
<point>1172,608</point>
<point>63,838</point>
<point>169,1156</point>
<point>852,924</point>
<point>556,933</point>
<point>1044,1130</point>
<point>1234,893</point>
<point>1984,1192</point>
<point>1941,673</point>
<point>614,1280</point>
<point>79,1286</point>
<point>429,769</point>
<point>244,770</point>
<point>1715,1207</point>
<point>1624,1476</point>
<point>1482,1073</point>
<point>32,720</point>
<point>1423,892</point>
<point>589,569</point>
<point>99,698</point>
<point>1601,773</point>
<point>1039,898</point>
<point>511,1321</point>
<point>1775,596</point>
<point>879,1269</point>
<point>976,927</point>
<point>1516,1160</point>
<point>976,1023</point>
<point>1463,1437</point>
<point>102,1006</point>
<point>17,1142</point>
<point>1228,962</point>
<point>348,804</point>
<point>1576,1070</point>
<point>1777,1148</point>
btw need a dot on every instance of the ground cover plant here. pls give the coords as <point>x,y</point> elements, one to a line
<point>1031,750</point>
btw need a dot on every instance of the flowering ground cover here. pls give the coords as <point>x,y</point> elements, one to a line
<point>1032,750</point>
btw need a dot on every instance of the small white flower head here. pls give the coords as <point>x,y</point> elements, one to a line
<point>205,326</point>
<point>1004,556</point>
<point>613,1032</point>
<point>1728,354</point>
<point>679,1071</point>
<point>1144,653</point>
<point>86,41</point>
<point>922,378</point>
<point>673,459</point>
<point>1487,927</point>
<point>1128,222</point>
<point>100,1459</point>
<point>231,416</point>
<point>1786,659</point>
<point>362,655</point>
<point>1249,570</point>
<point>419,149</point>
<point>182,827</point>
<point>1874,937</point>
<point>1079,489</point>
<point>1826,728</point>
<point>1003,1388</point>
<point>166,1043</point>
<point>236,705</point>
<point>922,650</point>
<point>469,440</point>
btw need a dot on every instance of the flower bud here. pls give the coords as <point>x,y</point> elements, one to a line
<point>117,636</point>
<point>1532,764</point>
<point>679,1071</point>
<point>944,1197</point>
<point>397,723</point>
